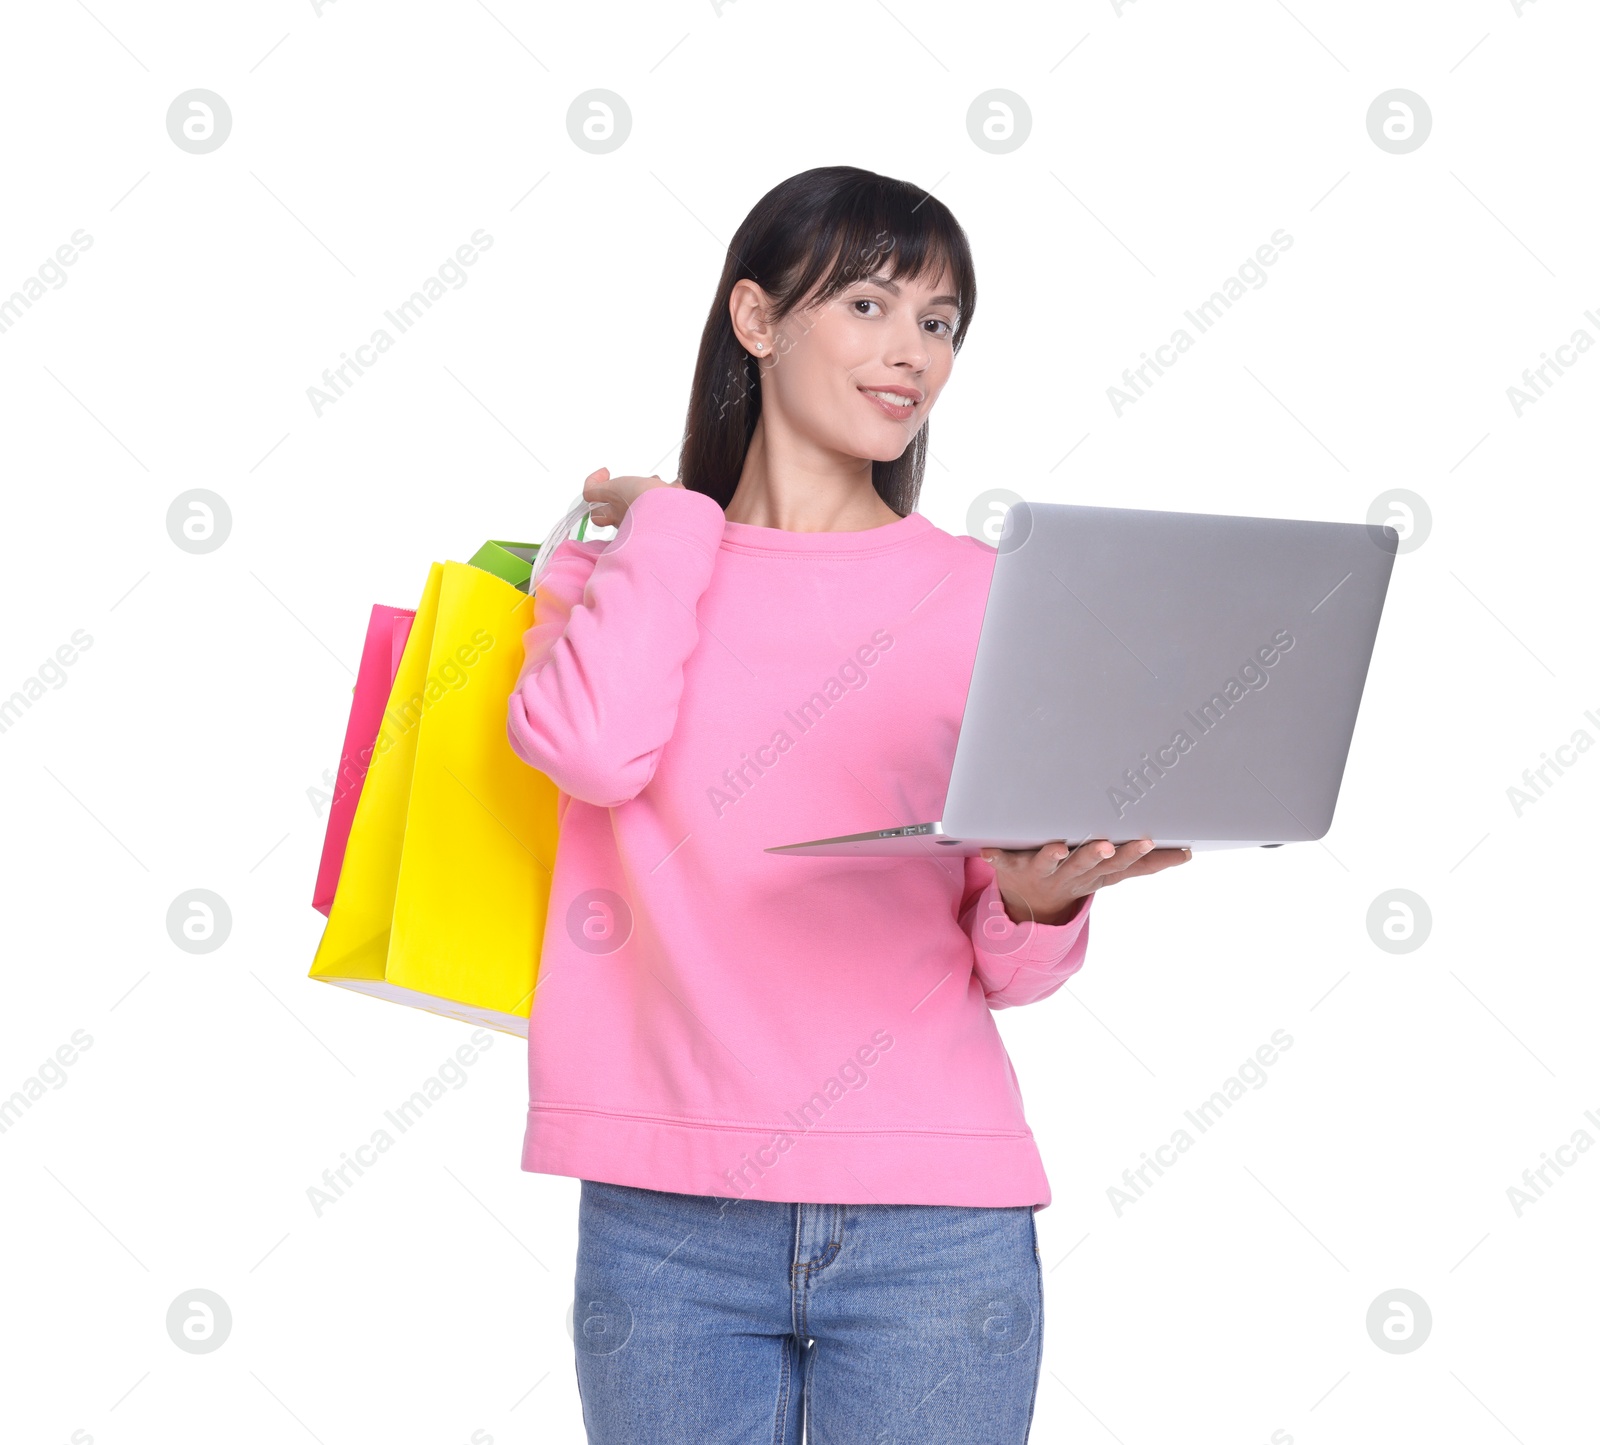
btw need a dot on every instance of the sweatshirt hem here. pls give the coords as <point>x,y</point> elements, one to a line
<point>800,1165</point>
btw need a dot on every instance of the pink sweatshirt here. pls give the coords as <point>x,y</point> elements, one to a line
<point>714,1019</point>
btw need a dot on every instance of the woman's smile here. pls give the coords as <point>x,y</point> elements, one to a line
<point>896,401</point>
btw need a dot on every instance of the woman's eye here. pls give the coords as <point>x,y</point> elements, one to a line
<point>863,301</point>
<point>949,330</point>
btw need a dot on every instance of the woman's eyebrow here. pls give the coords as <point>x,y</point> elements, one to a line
<point>893,288</point>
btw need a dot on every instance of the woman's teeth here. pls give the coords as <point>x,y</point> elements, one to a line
<point>893,398</point>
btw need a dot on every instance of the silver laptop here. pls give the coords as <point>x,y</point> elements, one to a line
<point>1189,678</point>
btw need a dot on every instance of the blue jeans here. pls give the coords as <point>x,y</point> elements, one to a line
<point>717,1322</point>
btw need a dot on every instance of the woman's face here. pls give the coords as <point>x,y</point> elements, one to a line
<point>858,374</point>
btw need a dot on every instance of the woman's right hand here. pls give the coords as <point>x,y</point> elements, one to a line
<point>614,495</point>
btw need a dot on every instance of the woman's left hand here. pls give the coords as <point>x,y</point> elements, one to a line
<point>1044,886</point>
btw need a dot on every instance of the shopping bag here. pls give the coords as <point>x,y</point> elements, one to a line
<point>387,631</point>
<point>518,562</point>
<point>441,900</point>
<point>510,561</point>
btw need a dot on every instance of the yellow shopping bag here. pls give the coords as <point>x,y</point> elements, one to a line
<point>442,897</point>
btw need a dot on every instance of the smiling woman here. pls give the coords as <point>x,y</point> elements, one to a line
<point>892,1254</point>
<point>889,290</point>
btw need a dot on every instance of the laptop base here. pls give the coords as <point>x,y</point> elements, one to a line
<point>930,840</point>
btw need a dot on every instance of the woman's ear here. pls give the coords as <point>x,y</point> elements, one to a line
<point>747,307</point>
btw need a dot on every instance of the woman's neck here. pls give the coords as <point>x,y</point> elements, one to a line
<point>799,493</point>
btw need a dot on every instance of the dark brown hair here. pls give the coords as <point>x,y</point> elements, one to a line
<point>834,224</point>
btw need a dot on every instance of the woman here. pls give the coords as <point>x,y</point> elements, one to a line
<point>808,1182</point>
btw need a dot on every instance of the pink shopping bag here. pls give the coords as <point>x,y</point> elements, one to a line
<point>387,630</point>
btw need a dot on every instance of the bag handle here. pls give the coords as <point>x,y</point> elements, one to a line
<point>577,517</point>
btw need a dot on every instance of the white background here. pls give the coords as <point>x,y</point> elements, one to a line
<point>1167,143</point>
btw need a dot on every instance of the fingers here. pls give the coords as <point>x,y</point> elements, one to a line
<point>1089,855</point>
<point>1056,861</point>
<point>1137,860</point>
<point>1156,861</point>
<point>1124,856</point>
<point>1095,859</point>
<point>597,492</point>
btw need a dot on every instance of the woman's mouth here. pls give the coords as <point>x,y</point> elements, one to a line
<point>890,403</point>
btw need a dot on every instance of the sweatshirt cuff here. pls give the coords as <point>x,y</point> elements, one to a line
<point>674,512</point>
<point>1026,944</point>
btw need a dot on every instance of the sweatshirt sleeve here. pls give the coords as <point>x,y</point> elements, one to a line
<point>602,673</point>
<point>1018,963</point>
